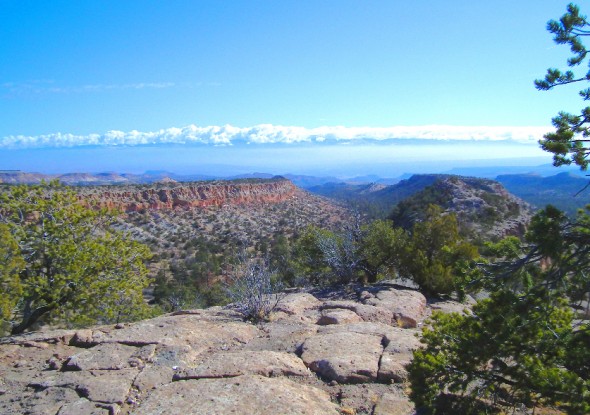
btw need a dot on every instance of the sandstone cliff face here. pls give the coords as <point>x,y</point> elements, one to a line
<point>165,196</point>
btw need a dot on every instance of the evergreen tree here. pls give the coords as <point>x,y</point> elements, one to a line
<point>570,141</point>
<point>72,265</point>
<point>436,258</point>
<point>523,345</point>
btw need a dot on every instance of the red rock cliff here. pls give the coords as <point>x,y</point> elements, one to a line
<point>131,198</point>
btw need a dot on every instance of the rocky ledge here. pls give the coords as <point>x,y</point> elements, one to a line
<point>315,356</point>
<point>164,196</point>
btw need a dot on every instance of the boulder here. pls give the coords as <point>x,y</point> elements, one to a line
<point>248,394</point>
<point>375,329</point>
<point>403,341</point>
<point>392,367</point>
<point>345,357</point>
<point>297,303</point>
<point>297,308</point>
<point>338,316</point>
<point>408,306</point>
<point>369,313</point>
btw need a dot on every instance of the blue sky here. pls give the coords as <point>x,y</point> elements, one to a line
<point>84,75</point>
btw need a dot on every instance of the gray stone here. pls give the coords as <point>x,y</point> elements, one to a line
<point>84,406</point>
<point>174,356</point>
<point>375,329</point>
<point>230,364</point>
<point>408,306</point>
<point>369,313</point>
<point>338,316</point>
<point>392,367</point>
<point>282,336</point>
<point>152,377</point>
<point>248,394</point>
<point>106,386</point>
<point>403,341</point>
<point>393,404</point>
<point>102,357</point>
<point>344,357</point>
<point>179,330</point>
<point>297,303</point>
<point>48,401</point>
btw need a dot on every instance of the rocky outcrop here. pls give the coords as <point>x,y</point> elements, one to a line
<point>314,356</point>
<point>484,208</point>
<point>172,195</point>
<point>249,394</point>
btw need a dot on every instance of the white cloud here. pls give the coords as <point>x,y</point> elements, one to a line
<point>272,134</point>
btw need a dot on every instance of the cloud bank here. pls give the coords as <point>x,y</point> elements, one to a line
<point>276,134</point>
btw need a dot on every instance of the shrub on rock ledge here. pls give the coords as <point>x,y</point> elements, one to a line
<point>252,289</point>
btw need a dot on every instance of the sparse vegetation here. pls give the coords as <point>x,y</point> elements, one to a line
<point>432,254</point>
<point>253,289</point>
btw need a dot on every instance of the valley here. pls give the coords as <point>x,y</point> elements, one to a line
<point>348,278</point>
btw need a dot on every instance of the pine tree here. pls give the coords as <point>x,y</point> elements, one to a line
<point>73,266</point>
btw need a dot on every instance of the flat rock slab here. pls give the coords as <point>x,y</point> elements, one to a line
<point>230,364</point>
<point>375,329</point>
<point>403,341</point>
<point>48,401</point>
<point>282,336</point>
<point>392,367</point>
<point>105,386</point>
<point>152,377</point>
<point>297,303</point>
<point>338,316</point>
<point>408,306</point>
<point>86,407</point>
<point>103,357</point>
<point>393,404</point>
<point>369,313</point>
<point>345,357</point>
<point>49,337</point>
<point>174,356</point>
<point>178,330</point>
<point>248,394</point>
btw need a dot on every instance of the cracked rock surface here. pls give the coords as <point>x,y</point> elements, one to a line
<point>315,356</point>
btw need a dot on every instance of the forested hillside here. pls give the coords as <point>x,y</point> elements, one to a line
<point>565,191</point>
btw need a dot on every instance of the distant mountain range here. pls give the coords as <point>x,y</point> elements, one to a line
<point>151,176</point>
<point>565,191</point>
<point>378,194</point>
